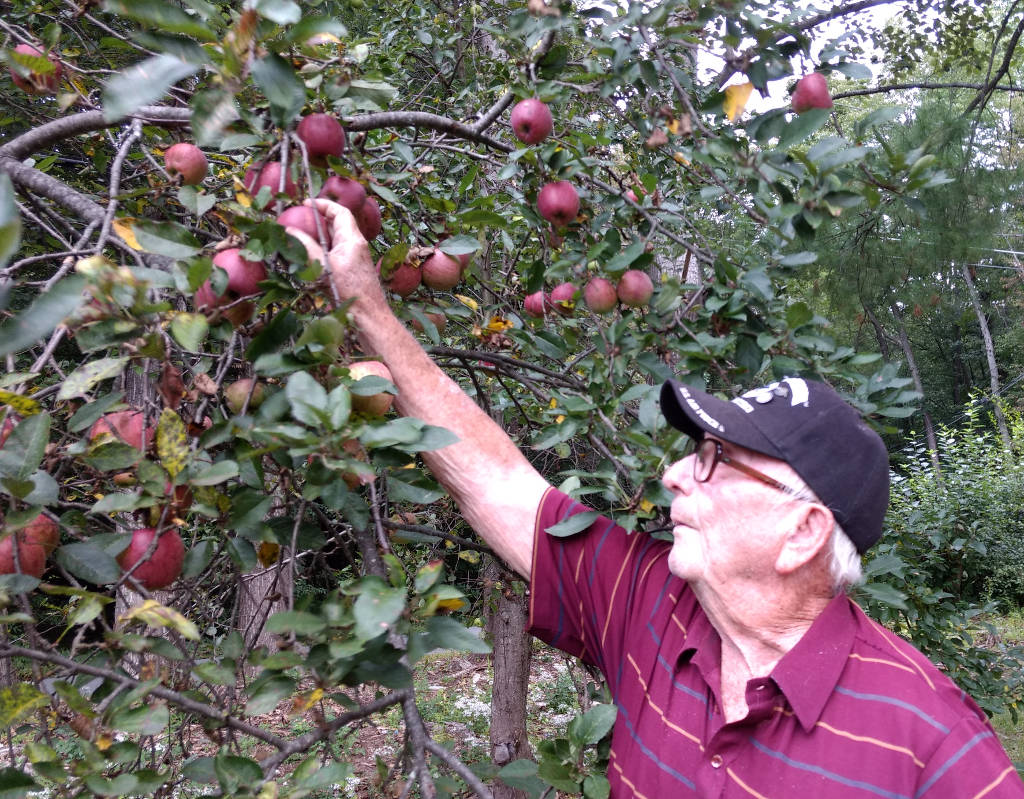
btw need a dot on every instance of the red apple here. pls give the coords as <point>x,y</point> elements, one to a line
<point>304,218</point>
<point>536,304</point>
<point>6,429</point>
<point>558,202</point>
<point>37,82</point>
<point>128,426</point>
<point>42,530</point>
<point>404,280</point>
<point>811,92</point>
<point>188,161</point>
<point>323,136</point>
<point>635,288</point>
<point>531,121</point>
<point>269,174</point>
<point>374,404</point>
<point>561,298</point>
<point>163,565</point>
<point>441,272</point>
<point>243,279</point>
<point>236,394</point>
<point>631,196</point>
<point>344,191</point>
<point>31,555</point>
<point>599,295</point>
<point>368,219</point>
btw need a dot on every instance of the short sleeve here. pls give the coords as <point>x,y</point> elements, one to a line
<point>971,762</point>
<point>585,587</point>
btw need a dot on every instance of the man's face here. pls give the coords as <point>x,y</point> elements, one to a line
<point>727,531</point>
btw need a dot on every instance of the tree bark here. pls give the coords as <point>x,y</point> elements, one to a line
<point>880,337</point>
<point>990,356</point>
<point>908,353</point>
<point>507,618</point>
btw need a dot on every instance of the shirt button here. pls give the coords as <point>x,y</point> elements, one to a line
<point>716,761</point>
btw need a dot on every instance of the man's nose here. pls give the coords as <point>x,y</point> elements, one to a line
<point>679,476</point>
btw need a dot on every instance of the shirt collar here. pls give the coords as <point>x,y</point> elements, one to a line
<point>808,673</point>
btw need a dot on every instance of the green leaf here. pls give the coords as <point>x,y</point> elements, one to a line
<point>234,772</point>
<point>189,330</point>
<point>295,621</point>
<point>801,127</point>
<point>283,12</point>
<point>212,111</point>
<point>42,316</point>
<point>220,472</point>
<point>596,786</point>
<point>118,502</point>
<point>446,633</point>
<point>331,775</point>
<point>265,694</point>
<point>80,382</point>
<point>799,258</point>
<point>573,524</point>
<point>215,674</point>
<point>590,727</point>
<point>165,238</point>
<point>90,562</point>
<point>306,396</point>
<point>172,443</point>
<point>10,221</point>
<point>459,245</point>
<point>886,594</point>
<point>18,701</point>
<point>24,450</point>
<point>121,785</point>
<point>144,720</point>
<point>15,784</point>
<point>282,88</point>
<point>142,84</point>
<point>377,608</point>
<point>522,775</point>
<point>798,314</point>
<point>161,15</point>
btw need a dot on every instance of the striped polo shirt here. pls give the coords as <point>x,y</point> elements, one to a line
<point>851,712</point>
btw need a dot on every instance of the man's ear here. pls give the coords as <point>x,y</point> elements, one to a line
<point>810,530</point>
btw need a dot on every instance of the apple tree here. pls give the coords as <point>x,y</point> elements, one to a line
<point>570,202</point>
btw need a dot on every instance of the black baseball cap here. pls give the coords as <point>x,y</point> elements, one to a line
<point>809,426</point>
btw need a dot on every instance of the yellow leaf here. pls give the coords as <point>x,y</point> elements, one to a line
<point>23,406</point>
<point>153,614</point>
<point>123,227</point>
<point>679,158</point>
<point>498,324</point>
<point>646,505</point>
<point>673,126</point>
<point>451,604</point>
<point>736,97</point>
<point>268,552</point>
<point>553,404</point>
<point>469,302</point>
<point>20,701</point>
<point>104,742</point>
<point>304,701</point>
<point>470,555</point>
<point>172,442</point>
<point>559,419</point>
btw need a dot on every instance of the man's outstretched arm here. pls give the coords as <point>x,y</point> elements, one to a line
<point>497,489</point>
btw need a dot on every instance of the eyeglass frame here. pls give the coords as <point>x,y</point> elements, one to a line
<point>749,471</point>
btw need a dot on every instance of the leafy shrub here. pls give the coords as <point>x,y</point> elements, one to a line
<point>951,553</point>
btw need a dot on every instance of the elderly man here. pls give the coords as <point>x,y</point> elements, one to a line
<point>738,665</point>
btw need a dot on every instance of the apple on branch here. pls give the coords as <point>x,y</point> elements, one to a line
<point>811,92</point>
<point>269,175</point>
<point>163,564</point>
<point>187,161</point>
<point>440,271</point>
<point>375,404</point>
<point>38,80</point>
<point>599,295</point>
<point>323,136</point>
<point>531,121</point>
<point>243,281</point>
<point>635,288</point>
<point>558,202</point>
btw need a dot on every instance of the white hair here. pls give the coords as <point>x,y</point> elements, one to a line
<point>844,561</point>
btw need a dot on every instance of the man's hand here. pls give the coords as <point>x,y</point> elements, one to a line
<point>349,263</point>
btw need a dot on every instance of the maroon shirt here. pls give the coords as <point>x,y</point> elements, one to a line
<point>851,712</point>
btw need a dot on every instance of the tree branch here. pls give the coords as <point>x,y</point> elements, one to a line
<point>421,119</point>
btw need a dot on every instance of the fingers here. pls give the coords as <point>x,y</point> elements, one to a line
<point>316,252</point>
<point>340,220</point>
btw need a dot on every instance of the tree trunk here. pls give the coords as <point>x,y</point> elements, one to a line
<point>990,356</point>
<point>262,593</point>
<point>908,353</point>
<point>507,618</point>
<point>880,337</point>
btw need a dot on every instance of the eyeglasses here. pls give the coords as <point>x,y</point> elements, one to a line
<point>708,454</point>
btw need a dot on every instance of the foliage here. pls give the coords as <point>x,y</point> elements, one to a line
<point>100,314</point>
<point>952,553</point>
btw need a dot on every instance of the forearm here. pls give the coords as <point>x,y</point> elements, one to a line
<point>497,489</point>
